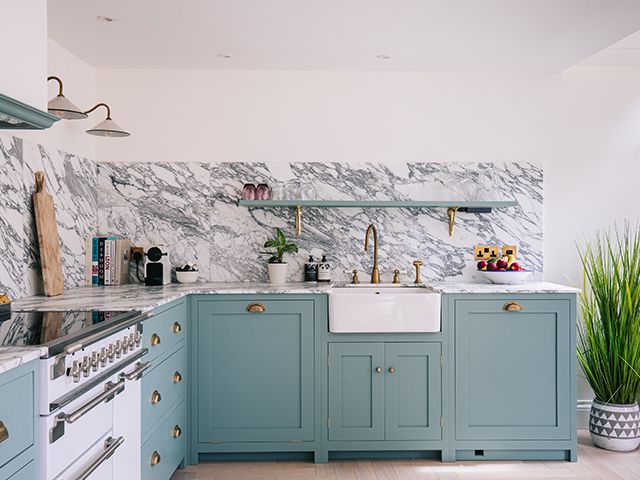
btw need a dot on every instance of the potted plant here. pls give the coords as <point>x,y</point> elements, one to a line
<point>278,268</point>
<point>609,339</point>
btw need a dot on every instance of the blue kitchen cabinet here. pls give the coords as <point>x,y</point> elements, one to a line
<point>356,391</point>
<point>19,421</point>
<point>515,373</point>
<point>255,370</point>
<point>384,391</point>
<point>164,392</point>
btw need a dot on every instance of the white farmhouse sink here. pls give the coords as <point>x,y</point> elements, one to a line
<point>375,309</point>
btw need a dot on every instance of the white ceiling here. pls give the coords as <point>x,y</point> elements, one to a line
<point>624,52</point>
<point>471,35</point>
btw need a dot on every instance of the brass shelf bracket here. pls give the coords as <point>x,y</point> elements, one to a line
<point>298,214</point>
<point>451,213</point>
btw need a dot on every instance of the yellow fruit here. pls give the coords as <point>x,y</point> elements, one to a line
<point>510,259</point>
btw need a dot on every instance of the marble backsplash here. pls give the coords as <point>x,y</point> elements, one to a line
<point>71,180</point>
<point>191,209</point>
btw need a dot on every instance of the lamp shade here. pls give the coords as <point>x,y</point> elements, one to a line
<point>108,128</point>
<point>61,107</point>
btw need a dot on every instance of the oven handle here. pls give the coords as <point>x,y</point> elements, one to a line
<point>111,445</point>
<point>135,375</point>
<point>111,390</point>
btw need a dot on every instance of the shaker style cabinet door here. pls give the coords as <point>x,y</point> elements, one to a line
<point>413,391</point>
<point>255,370</point>
<point>513,369</point>
<point>356,391</point>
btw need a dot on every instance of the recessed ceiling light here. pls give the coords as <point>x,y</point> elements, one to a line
<point>382,56</point>
<point>106,18</point>
<point>225,55</point>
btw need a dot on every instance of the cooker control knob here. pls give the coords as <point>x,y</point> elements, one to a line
<point>138,338</point>
<point>118,349</point>
<point>75,371</point>
<point>125,345</point>
<point>94,361</point>
<point>86,366</point>
<point>103,357</point>
<point>132,341</point>
<point>111,353</point>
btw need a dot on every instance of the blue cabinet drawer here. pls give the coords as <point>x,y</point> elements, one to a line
<point>514,362</point>
<point>162,387</point>
<point>28,472</point>
<point>166,447</point>
<point>164,330</point>
<point>16,413</point>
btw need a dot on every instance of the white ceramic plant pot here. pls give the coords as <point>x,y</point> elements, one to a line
<point>278,273</point>
<point>615,427</point>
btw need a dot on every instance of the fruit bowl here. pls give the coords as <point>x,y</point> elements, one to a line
<point>506,277</point>
<point>187,277</point>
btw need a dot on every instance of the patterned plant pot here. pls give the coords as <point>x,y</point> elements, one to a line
<point>615,427</point>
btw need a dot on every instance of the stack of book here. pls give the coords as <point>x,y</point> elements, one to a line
<point>107,261</point>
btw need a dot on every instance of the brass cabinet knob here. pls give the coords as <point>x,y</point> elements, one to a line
<point>392,370</point>
<point>255,308</point>
<point>155,397</point>
<point>378,370</point>
<point>155,458</point>
<point>4,432</point>
<point>177,431</point>
<point>177,328</point>
<point>177,377</point>
<point>155,339</point>
<point>512,307</point>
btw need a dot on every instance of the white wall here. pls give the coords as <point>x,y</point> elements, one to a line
<point>23,64</point>
<point>79,80</point>
<point>584,125</point>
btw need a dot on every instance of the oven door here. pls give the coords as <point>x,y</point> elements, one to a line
<point>68,432</point>
<point>97,462</point>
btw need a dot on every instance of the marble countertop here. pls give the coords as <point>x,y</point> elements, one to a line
<point>12,357</point>
<point>140,297</point>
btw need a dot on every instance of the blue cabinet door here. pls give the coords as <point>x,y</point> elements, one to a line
<point>413,395</point>
<point>255,370</point>
<point>513,369</point>
<point>356,391</point>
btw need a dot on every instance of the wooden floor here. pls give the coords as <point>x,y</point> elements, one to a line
<point>593,463</point>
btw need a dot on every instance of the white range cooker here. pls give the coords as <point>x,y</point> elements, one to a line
<point>89,401</point>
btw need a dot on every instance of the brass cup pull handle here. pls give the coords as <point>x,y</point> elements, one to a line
<point>155,339</point>
<point>177,328</point>
<point>177,431</point>
<point>177,377</point>
<point>392,370</point>
<point>378,370</point>
<point>255,308</point>
<point>155,397</point>
<point>512,307</point>
<point>155,458</point>
<point>4,432</point>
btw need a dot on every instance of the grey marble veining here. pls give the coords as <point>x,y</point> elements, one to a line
<point>139,297</point>
<point>12,357</point>
<point>192,209</point>
<point>71,180</point>
<point>161,204</point>
<point>405,234</point>
<point>13,208</point>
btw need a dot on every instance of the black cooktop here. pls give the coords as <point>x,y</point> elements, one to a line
<point>56,329</point>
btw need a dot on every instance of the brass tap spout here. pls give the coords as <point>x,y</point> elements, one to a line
<point>375,274</point>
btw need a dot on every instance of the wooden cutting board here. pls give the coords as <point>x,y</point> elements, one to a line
<point>48,239</point>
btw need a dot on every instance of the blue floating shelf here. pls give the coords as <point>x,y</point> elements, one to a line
<point>452,206</point>
<point>461,205</point>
